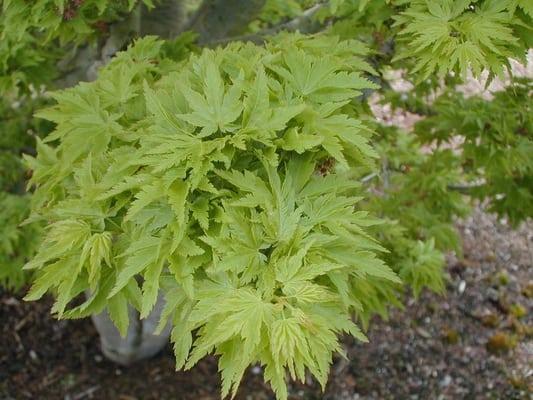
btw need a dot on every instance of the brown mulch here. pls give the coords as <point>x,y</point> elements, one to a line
<point>473,343</point>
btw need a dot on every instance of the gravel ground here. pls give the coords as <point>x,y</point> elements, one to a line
<point>475,342</point>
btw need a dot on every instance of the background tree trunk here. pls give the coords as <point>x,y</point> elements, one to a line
<point>140,342</point>
<point>219,19</point>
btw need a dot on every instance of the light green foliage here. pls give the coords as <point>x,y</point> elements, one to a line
<point>360,18</point>
<point>439,37</point>
<point>497,145</point>
<point>31,34</point>
<point>275,11</point>
<point>202,178</point>
<point>462,35</point>
<point>419,188</point>
<point>423,267</point>
<point>17,136</point>
<point>17,243</point>
<point>420,207</point>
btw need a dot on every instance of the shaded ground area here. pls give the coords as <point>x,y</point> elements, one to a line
<point>473,343</point>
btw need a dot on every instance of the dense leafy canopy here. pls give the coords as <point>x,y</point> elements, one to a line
<point>461,35</point>
<point>54,24</point>
<point>497,145</point>
<point>204,175</point>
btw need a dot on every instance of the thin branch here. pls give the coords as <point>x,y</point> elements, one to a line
<point>466,188</point>
<point>463,188</point>
<point>164,20</point>
<point>300,23</point>
<point>218,19</point>
<point>86,393</point>
<point>83,63</point>
<point>297,23</point>
<point>385,173</point>
<point>369,177</point>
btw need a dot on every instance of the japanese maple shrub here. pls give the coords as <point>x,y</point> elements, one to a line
<point>224,181</point>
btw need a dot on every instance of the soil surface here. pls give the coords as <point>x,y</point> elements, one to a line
<point>475,342</point>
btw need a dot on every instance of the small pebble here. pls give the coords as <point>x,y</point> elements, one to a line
<point>446,381</point>
<point>492,294</point>
<point>424,333</point>
<point>33,355</point>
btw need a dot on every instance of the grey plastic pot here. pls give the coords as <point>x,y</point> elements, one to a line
<point>140,342</point>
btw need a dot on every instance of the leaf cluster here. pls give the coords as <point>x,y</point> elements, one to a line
<point>17,243</point>
<point>463,35</point>
<point>437,37</point>
<point>413,194</point>
<point>495,145</point>
<point>224,180</point>
<point>32,34</point>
